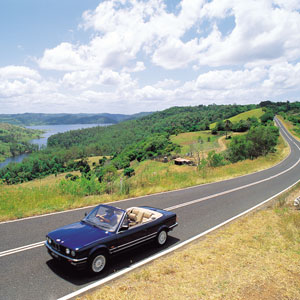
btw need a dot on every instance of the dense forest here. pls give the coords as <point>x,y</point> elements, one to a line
<point>14,140</point>
<point>148,137</point>
<point>29,119</point>
<point>113,139</point>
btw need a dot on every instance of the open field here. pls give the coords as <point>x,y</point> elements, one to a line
<point>152,177</point>
<point>187,139</point>
<point>46,195</point>
<point>258,112</point>
<point>254,257</point>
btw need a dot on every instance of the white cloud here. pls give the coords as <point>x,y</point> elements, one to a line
<point>134,42</point>
<point>138,67</point>
<point>167,84</point>
<point>228,79</point>
<point>18,72</point>
<point>80,80</point>
<point>283,76</point>
<point>262,32</point>
<point>174,54</point>
<point>64,57</point>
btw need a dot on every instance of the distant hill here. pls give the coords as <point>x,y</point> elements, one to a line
<point>113,139</point>
<point>28,119</point>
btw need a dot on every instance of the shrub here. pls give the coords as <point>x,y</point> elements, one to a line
<point>128,172</point>
<point>215,159</point>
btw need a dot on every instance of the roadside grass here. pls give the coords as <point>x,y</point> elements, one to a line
<point>254,257</point>
<point>257,113</point>
<point>45,195</point>
<point>152,176</point>
<point>290,127</point>
<point>187,139</point>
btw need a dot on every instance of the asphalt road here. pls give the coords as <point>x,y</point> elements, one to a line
<point>32,274</point>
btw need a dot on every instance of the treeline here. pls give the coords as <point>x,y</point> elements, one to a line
<point>28,119</point>
<point>14,140</point>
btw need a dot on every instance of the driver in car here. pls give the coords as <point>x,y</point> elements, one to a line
<point>110,218</point>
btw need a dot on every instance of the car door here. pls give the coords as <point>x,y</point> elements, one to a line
<point>130,237</point>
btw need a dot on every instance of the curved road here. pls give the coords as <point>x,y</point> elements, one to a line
<point>30,273</point>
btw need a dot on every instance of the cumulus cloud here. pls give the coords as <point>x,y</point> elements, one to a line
<point>209,51</point>
<point>262,32</point>
<point>18,72</point>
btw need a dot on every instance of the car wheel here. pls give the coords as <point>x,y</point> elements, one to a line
<point>162,237</point>
<point>98,262</point>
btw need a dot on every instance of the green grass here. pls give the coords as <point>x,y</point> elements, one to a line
<point>290,127</point>
<point>154,176</point>
<point>257,113</point>
<point>187,139</point>
<point>47,195</point>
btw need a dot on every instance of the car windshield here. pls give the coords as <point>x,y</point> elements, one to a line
<point>106,217</point>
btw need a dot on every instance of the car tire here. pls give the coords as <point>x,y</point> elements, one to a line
<point>97,262</point>
<point>162,237</point>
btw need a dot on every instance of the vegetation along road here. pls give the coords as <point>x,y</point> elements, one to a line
<point>28,272</point>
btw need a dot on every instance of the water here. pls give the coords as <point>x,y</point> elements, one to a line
<point>42,142</point>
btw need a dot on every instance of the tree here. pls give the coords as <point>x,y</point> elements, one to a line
<point>258,141</point>
<point>227,126</point>
<point>267,116</point>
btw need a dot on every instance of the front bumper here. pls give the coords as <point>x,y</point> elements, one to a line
<point>77,262</point>
<point>173,226</point>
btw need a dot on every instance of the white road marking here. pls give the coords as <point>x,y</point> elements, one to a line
<point>166,192</point>
<point>160,254</point>
<point>39,244</point>
<point>20,249</point>
<point>232,190</point>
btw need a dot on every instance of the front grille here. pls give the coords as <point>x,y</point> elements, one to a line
<point>55,246</point>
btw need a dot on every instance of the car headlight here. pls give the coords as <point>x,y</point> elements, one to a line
<point>49,240</point>
<point>73,253</point>
<point>67,251</point>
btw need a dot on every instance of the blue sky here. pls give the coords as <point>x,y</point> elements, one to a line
<point>127,56</point>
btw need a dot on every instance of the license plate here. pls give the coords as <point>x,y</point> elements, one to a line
<point>54,255</point>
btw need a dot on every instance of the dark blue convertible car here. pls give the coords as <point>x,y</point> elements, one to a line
<point>108,230</point>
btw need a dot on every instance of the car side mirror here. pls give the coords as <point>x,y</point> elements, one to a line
<point>85,214</point>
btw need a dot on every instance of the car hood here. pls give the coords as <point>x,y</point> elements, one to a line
<point>78,235</point>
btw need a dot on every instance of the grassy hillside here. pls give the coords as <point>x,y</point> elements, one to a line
<point>254,257</point>
<point>257,113</point>
<point>49,194</point>
<point>170,121</point>
<point>188,139</point>
<point>140,139</point>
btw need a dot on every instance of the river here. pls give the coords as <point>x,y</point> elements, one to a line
<point>49,130</point>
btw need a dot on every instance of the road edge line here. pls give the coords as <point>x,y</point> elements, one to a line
<point>152,258</point>
<point>154,194</point>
